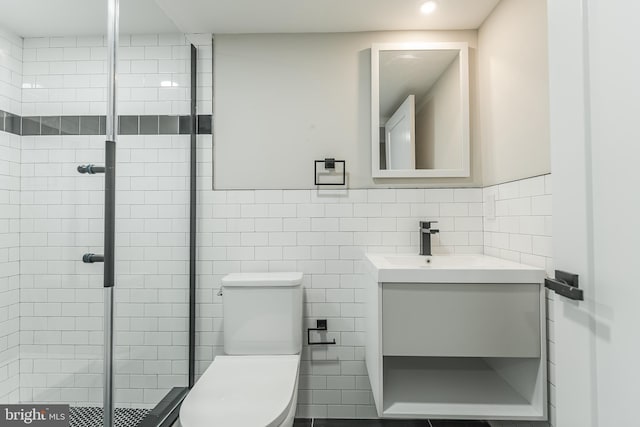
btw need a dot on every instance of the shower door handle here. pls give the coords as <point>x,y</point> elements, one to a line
<point>91,258</point>
<point>90,169</point>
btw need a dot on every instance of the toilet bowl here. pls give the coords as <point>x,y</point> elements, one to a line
<point>244,391</point>
<point>256,383</point>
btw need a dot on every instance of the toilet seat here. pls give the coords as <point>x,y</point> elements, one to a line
<point>243,391</point>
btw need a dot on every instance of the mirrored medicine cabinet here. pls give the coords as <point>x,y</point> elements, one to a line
<point>420,110</point>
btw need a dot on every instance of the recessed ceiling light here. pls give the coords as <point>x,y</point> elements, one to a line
<point>428,7</point>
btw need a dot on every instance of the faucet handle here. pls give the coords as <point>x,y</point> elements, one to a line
<point>427,224</point>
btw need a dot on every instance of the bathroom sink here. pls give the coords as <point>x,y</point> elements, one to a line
<point>444,261</point>
<point>409,268</point>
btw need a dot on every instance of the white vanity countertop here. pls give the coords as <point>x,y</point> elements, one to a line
<point>406,268</point>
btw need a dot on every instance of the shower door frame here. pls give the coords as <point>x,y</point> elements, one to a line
<point>166,411</point>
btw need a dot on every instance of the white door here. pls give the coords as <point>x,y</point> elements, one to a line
<point>595,148</point>
<point>400,136</point>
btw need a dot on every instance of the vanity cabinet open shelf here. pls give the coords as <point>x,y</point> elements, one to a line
<point>462,349</point>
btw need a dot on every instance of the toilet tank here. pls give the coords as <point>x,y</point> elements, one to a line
<point>262,313</point>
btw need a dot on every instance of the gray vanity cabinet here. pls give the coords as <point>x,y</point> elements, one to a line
<point>456,343</point>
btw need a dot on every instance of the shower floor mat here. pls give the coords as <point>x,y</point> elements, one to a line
<point>91,416</point>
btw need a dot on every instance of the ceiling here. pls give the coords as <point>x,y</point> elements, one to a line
<point>32,18</point>
<point>302,16</point>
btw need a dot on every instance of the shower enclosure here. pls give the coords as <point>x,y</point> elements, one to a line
<point>117,331</point>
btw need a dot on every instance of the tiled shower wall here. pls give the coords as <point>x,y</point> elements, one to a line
<point>10,81</point>
<point>518,227</point>
<point>67,75</point>
<point>61,298</point>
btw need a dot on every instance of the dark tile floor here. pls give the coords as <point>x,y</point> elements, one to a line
<point>319,422</point>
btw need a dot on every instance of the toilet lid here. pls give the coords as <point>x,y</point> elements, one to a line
<point>242,391</point>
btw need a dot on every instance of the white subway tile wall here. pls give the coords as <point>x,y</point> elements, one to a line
<point>67,76</point>
<point>324,234</point>
<point>11,69</point>
<point>518,227</point>
<point>10,92</point>
<point>237,231</point>
<point>61,298</point>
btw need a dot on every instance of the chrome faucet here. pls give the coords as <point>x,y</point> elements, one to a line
<point>425,236</point>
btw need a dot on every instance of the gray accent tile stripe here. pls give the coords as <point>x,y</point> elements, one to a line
<point>128,125</point>
<point>70,125</point>
<point>12,123</point>
<point>95,125</point>
<point>149,125</point>
<point>204,124</point>
<point>169,125</point>
<point>50,125</point>
<point>185,125</point>
<point>30,126</point>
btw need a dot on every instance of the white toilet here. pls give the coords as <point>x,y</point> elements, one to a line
<point>256,383</point>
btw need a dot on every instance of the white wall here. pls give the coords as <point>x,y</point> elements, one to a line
<point>285,100</point>
<point>439,123</point>
<point>10,81</point>
<point>513,91</point>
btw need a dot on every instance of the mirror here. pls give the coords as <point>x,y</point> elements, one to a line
<point>420,110</point>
